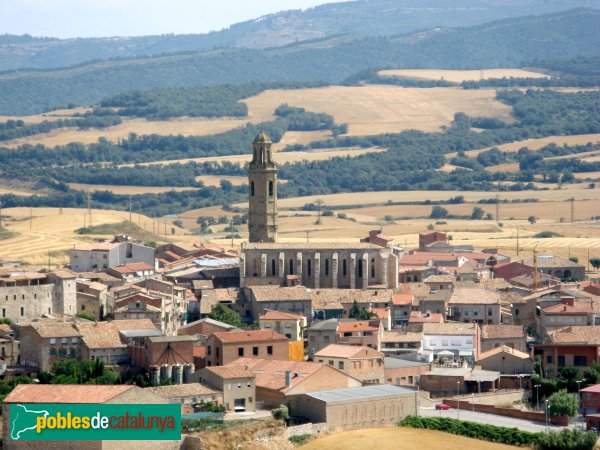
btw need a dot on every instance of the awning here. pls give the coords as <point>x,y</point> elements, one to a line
<point>445,353</point>
<point>465,353</point>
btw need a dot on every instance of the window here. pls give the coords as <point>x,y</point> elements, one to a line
<point>270,188</point>
<point>341,365</point>
<point>372,267</point>
<point>347,333</point>
<point>22,311</point>
<point>561,361</point>
<point>272,267</point>
<point>410,380</point>
<point>444,343</point>
<point>326,338</point>
<point>466,310</point>
<point>331,362</point>
<point>83,307</point>
<point>344,271</point>
<point>308,267</point>
<point>517,313</point>
<point>291,267</point>
<point>269,350</point>
<point>252,189</point>
<point>549,359</point>
<point>52,352</point>
<point>239,385</point>
<point>74,340</point>
<point>327,267</point>
<point>3,312</point>
<point>241,351</point>
<point>228,386</point>
<point>475,311</point>
<point>360,268</point>
<point>580,360</point>
<point>489,312</point>
<point>255,351</point>
<point>52,341</point>
<point>249,384</point>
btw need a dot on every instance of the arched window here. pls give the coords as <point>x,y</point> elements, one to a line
<point>326,267</point>
<point>372,267</point>
<point>273,267</point>
<point>308,268</point>
<point>291,266</point>
<point>270,188</point>
<point>252,188</point>
<point>360,273</point>
<point>344,268</point>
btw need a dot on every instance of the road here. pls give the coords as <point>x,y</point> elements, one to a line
<point>491,419</point>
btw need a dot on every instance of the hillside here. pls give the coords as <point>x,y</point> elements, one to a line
<point>503,43</point>
<point>363,17</point>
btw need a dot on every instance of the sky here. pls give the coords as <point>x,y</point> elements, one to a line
<point>96,18</point>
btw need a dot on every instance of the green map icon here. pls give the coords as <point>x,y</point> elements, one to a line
<point>23,419</point>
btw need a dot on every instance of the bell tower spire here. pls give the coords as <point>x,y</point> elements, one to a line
<point>262,182</point>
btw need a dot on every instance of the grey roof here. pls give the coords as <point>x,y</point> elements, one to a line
<point>211,321</point>
<point>330,324</point>
<point>483,375</point>
<point>395,363</point>
<point>360,393</point>
<point>449,372</point>
<point>171,338</point>
<point>141,333</point>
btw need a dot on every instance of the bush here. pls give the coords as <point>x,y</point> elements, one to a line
<point>504,435</point>
<point>546,234</point>
<point>567,439</point>
<point>563,403</point>
<point>300,439</point>
<point>281,413</point>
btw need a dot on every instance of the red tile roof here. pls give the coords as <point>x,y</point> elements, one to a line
<point>65,393</point>
<point>419,317</point>
<point>199,351</point>
<point>348,351</point>
<point>595,389</point>
<point>230,337</point>
<point>231,371</point>
<point>381,313</point>
<point>361,325</point>
<point>279,315</point>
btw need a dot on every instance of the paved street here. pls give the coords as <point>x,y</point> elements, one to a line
<point>491,419</point>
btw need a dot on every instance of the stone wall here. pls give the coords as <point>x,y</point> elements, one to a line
<point>306,428</point>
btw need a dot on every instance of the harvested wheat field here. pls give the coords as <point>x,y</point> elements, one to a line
<point>186,126</point>
<point>48,116</point>
<point>301,137</point>
<point>375,109</point>
<point>587,175</point>
<point>279,158</point>
<point>215,180</point>
<point>458,76</point>
<point>4,191</point>
<point>381,197</point>
<point>536,144</point>
<point>128,190</point>
<point>394,437</point>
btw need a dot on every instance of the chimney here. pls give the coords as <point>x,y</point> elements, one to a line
<point>568,301</point>
<point>288,378</point>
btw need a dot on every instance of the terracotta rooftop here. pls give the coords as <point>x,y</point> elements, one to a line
<point>95,285</point>
<point>348,351</point>
<point>423,258</point>
<point>132,267</point>
<point>440,279</point>
<point>231,371</point>
<point>65,393</point>
<point>199,351</point>
<point>503,349</point>
<point>450,328</point>
<point>229,337</point>
<point>502,331</point>
<point>551,261</point>
<point>402,299</point>
<point>588,334</point>
<point>133,324</point>
<point>276,293</point>
<point>592,389</point>
<point>64,273</point>
<point>181,390</point>
<point>279,315</point>
<point>395,336</point>
<point>51,329</point>
<point>323,297</point>
<point>226,294</point>
<point>359,325</point>
<point>474,296</point>
<point>561,309</point>
<point>426,317</point>
<point>270,374</point>
<point>100,335</point>
<point>381,313</point>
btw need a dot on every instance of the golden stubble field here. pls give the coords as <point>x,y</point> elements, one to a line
<point>394,437</point>
<point>376,109</point>
<point>128,190</point>
<point>458,76</point>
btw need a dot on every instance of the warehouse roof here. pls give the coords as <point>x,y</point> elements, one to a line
<point>360,393</point>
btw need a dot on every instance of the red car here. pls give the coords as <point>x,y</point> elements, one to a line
<point>442,406</point>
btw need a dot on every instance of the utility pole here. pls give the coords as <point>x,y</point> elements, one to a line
<point>89,205</point>
<point>30,218</point>
<point>231,230</point>
<point>307,235</point>
<point>130,208</point>
<point>572,199</point>
<point>497,208</point>
<point>319,203</point>
<point>0,215</point>
<point>517,242</point>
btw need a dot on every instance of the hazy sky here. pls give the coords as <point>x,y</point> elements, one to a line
<point>86,18</point>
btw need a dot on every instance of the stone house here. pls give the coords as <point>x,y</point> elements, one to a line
<point>101,341</point>
<point>47,341</point>
<point>188,395</point>
<point>292,326</point>
<point>396,342</point>
<point>362,363</point>
<point>132,272</point>
<point>575,346</point>
<point>295,300</point>
<point>506,360</point>
<point>204,328</point>
<point>283,382</point>
<point>225,347</point>
<point>96,257</point>
<point>159,350</point>
<point>347,331</point>
<point>236,383</point>
<point>474,305</point>
<point>92,298</point>
<point>404,372</point>
<point>561,268</point>
<point>138,310</point>
<point>10,350</point>
<point>513,336</point>
<point>568,312</point>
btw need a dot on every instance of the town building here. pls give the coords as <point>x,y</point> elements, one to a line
<point>404,372</point>
<point>92,298</point>
<point>223,348</point>
<point>163,350</point>
<point>189,396</point>
<point>204,328</point>
<point>295,300</point>
<point>292,326</point>
<point>459,380</point>
<point>474,305</point>
<point>236,383</point>
<point>96,257</point>
<point>564,269</point>
<point>453,341</point>
<point>101,341</point>
<point>506,360</point>
<point>513,336</point>
<point>363,363</point>
<point>10,349</point>
<point>368,333</point>
<point>397,342</point>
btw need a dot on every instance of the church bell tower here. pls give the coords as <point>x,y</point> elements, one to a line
<point>262,183</point>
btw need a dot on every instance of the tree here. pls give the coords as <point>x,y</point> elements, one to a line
<point>477,213</point>
<point>575,259</point>
<point>567,177</point>
<point>532,219</point>
<point>225,315</point>
<point>358,312</point>
<point>592,373</point>
<point>280,413</point>
<point>563,403</point>
<point>567,439</point>
<point>438,212</point>
<point>595,262</point>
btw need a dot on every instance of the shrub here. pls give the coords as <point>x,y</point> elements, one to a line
<point>300,439</point>
<point>281,413</point>
<point>567,439</point>
<point>546,234</point>
<point>562,403</point>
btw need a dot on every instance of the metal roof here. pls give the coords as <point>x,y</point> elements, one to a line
<point>360,393</point>
<point>397,363</point>
<point>141,333</point>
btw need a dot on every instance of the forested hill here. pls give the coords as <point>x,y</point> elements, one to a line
<point>503,43</point>
<point>362,17</point>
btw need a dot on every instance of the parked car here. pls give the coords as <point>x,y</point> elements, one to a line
<point>442,406</point>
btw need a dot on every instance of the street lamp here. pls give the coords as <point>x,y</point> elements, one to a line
<point>473,394</point>
<point>547,406</point>
<point>579,401</point>
<point>537,397</point>
<point>458,398</point>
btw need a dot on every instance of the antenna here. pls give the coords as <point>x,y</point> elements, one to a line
<point>497,208</point>
<point>30,218</point>
<point>89,206</point>
<point>319,203</point>
<point>572,200</point>
<point>130,208</point>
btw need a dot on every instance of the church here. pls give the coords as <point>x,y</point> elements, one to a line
<point>335,265</point>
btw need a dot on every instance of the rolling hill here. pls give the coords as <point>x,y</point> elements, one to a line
<point>502,43</point>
